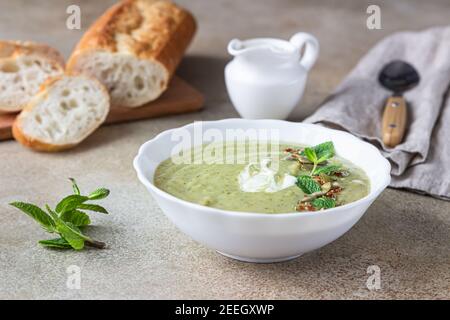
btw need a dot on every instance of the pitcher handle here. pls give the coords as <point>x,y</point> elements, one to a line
<point>311,48</point>
<point>234,47</point>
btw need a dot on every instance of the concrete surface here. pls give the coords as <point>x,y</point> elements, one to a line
<point>406,235</point>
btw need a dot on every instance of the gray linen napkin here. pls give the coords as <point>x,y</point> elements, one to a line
<point>422,161</point>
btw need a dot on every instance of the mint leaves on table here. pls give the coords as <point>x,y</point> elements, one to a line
<point>59,243</point>
<point>37,214</point>
<point>67,218</point>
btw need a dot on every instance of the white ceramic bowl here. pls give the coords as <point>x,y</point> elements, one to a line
<point>257,237</point>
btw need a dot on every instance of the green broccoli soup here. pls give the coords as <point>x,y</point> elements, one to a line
<point>281,179</point>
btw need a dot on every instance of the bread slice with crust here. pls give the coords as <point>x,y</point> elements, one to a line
<point>134,49</point>
<point>65,111</point>
<point>24,66</point>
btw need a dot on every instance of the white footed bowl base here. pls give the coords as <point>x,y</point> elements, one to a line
<point>252,260</point>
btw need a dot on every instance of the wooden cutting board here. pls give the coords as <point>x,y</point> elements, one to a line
<point>180,97</point>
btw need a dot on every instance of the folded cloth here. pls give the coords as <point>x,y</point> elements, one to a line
<point>421,162</point>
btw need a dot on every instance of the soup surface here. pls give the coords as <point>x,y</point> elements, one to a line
<point>280,179</point>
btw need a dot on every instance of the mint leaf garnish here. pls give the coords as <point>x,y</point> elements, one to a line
<point>308,184</point>
<point>328,170</point>
<point>323,203</point>
<point>319,154</point>
<point>324,151</point>
<point>316,198</point>
<point>310,153</point>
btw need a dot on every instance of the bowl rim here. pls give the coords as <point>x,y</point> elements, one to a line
<point>373,194</point>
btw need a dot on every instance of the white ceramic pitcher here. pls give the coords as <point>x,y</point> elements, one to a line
<point>267,76</point>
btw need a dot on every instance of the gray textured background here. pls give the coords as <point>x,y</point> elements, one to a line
<point>407,235</point>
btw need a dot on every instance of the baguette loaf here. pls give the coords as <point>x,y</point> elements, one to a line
<point>24,66</point>
<point>134,49</point>
<point>65,111</point>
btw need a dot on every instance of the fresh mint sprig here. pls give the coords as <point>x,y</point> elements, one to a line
<point>319,154</point>
<point>317,197</point>
<point>67,218</point>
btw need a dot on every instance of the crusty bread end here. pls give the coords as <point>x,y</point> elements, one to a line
<point>24,66</point>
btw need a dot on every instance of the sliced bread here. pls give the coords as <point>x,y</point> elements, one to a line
<point>24,66</point>
<point>65,111</point>
<point>134,49</point>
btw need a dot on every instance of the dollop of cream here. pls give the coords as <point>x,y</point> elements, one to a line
<point>259,177</point>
